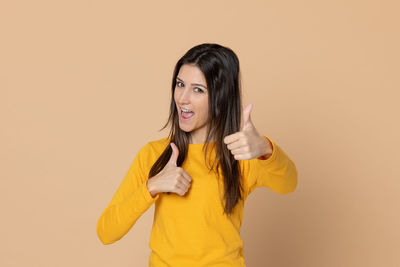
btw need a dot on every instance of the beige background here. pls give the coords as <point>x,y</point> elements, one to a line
<point>84,84</point>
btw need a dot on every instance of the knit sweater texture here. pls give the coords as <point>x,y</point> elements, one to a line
<point>192,230</point>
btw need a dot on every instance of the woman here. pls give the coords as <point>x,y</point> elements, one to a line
<point>213,158</point>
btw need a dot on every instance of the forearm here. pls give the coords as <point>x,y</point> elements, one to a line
<point>276,171</point>
<point>118,218</point>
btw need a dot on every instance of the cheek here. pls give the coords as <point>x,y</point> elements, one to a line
<point>205,110</point>
<point>176,97</point>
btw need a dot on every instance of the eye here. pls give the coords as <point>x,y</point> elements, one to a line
<point>177,83</point>
<point>199,91</point>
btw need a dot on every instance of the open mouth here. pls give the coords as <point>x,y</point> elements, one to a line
<point>186,114</point>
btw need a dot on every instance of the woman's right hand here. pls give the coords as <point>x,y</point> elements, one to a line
<point>171,178</point>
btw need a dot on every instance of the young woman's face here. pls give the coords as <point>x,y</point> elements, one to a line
<point>191,95</point>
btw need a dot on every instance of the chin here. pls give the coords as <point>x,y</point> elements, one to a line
<point>185,129</point>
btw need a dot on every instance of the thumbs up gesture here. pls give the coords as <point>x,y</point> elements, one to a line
<point>171,178</point>
<point>248,143</point>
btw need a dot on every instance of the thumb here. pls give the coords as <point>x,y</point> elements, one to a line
<point>174,155</point>
<point>246,119</point>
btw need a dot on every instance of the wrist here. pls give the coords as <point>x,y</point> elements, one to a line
<point>151,188</point>
<point>267,148</point>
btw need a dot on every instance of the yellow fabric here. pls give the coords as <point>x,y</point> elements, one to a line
<point>191,230</point>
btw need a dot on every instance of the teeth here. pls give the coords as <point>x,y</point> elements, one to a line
<point>185,110</point>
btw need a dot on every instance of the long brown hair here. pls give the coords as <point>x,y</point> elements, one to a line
<point>220,66</point>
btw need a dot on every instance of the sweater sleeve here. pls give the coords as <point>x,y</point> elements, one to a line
<point>129,202</point>
<point>278,172</point>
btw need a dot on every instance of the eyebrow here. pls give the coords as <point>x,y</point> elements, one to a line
<point>196,84</point>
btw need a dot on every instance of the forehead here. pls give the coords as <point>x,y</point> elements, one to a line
<point>191,73</point>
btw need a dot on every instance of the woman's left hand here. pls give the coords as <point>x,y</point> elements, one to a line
<point>248,143</point>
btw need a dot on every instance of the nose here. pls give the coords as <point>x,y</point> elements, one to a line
<point>184,96</point>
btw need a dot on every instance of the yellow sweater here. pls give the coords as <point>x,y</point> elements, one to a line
<point>191,230</point>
